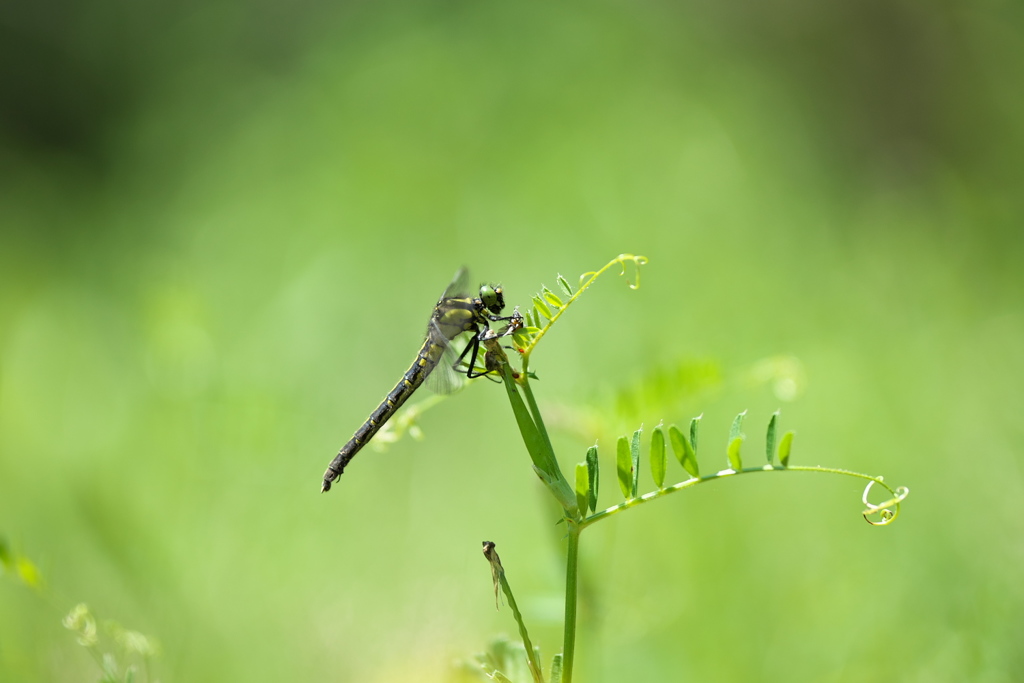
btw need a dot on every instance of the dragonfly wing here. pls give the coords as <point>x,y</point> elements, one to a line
<point>444,378</point>
<point>459,288</point>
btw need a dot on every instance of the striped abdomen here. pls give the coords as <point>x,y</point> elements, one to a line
<point>426,360</point>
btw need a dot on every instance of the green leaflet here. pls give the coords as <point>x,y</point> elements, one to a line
<point>737,426</point>
<point>551,298</point>
<point>595,476</point>
<point>21,567</point>
<point>784,448</point>
<point>736,437</point>
<point>542,307</point>
<point>623,465</point>
<point>733,451</point>
<point>564,284</point>
<point>658,457</point>
<point>530,320</point>
<point>684,450</point>
<point>582,487</point>
<point>694,423</point>
<point>769,441</point>
<point>634,452</point>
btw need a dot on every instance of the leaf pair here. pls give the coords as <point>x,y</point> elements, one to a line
<point>588,479</point>
<point>547,304</point>
<point>686,448</point>
<point>785,446</point>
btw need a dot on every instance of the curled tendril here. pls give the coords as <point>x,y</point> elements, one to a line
<point>622,259</point>
<point>587,279</point>
<point>637,262</point>
<point>886,511</point>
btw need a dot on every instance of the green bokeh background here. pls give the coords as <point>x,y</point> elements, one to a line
<point>224,225</point>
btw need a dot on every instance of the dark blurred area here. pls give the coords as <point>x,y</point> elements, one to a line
<point>73,72</point>
<point>888,89</point>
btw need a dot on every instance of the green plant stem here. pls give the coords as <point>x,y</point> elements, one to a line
<point>538,420</point>
<point>653,495</point>
<point>538,444</point>
<point>571,594</point>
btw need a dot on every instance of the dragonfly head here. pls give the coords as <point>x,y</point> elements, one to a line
<point>492,298</point>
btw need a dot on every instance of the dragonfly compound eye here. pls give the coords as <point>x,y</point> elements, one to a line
<point>492,298</point>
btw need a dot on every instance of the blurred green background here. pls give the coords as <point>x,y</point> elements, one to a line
<point>224,225</point>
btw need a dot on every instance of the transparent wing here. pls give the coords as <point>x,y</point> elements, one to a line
<point>444,378</point>
<point>459,288</point>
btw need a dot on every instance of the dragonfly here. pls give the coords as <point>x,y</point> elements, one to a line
<point>455,313</point>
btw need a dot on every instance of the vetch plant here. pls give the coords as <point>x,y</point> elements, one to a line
<point>578,500</point>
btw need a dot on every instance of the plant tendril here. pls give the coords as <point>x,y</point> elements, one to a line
<point>585,281</point>
<point>886,511</point>
<point>637,262</point>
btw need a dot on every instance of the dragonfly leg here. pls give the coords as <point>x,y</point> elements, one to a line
<point>475,345</point>
<point>488,374</point>
<point>490,366</point>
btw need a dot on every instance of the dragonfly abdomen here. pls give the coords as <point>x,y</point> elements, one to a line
<point>426,361</point>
